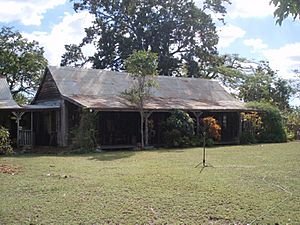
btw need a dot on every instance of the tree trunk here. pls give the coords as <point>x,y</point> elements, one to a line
<point>142,129</point>
<point>146,118</point>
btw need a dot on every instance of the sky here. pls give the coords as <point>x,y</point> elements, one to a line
<point>250,30</point>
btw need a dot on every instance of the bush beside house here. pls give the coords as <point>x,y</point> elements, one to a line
<point>269,128</point>
<point>5,143</point>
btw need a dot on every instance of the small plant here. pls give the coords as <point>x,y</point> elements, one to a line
<point>211,131</point>
<point>5,143</point>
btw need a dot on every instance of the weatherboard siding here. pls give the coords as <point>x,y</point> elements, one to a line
<point>48,90</point>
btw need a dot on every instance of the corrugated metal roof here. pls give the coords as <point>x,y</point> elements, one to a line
<point>6,99</point>
<point>101,89</point>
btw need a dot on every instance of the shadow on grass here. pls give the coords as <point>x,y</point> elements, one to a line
<point>168,150</point>
<point>106,155</point>
<point>112,155</point>
<point>103,156</point>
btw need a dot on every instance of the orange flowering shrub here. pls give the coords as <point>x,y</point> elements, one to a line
<point>211,128</point>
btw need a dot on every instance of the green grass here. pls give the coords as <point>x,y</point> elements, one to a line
<point>244,184</point>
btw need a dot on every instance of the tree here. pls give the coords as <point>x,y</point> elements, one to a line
<point>21,62</point>
<point>179,32</point>
<point>142,66</point>
<point>295,83</point>
<point>255,81</point>
<point>232,69</point>
<point>257,85</point>
<point>284,8</point>
<point>264,85</point>
<point>282,92</point>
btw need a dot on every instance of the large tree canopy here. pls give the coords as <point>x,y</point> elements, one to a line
<point>183,35</point>
<point>284,8</point>
<point>255,81</point>
<point>21,62</point>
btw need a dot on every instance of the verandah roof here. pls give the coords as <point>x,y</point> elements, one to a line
<point>6,99</point>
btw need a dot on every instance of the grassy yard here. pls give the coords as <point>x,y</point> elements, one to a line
<point>256,184</point>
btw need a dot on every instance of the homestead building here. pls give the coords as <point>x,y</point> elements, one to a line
<point>65,91</point>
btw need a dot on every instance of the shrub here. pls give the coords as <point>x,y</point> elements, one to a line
<point>5,143</point>
<point>179,129</point>
<point>83,137</point>
<point>248,138</point>
<point>272,129</point>
<point>210,132</point>
<point>292,122</point>
<point>252,125</point>
<point>211,129</point>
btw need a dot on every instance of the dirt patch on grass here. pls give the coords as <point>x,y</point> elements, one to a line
<point>12,170</point>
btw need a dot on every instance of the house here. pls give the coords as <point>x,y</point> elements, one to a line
<point>65,91</point>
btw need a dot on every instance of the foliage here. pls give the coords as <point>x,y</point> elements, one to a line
<point>22,62</point>
<point>179,129</point>
<point>295,83</point>
<point>257,85</point>
<point>252,125</point>
<point>83,137</point>
<point>284,8</point>
<point>282,91</point>
<point>209,142</point>
<point>142,66</point>
<point>178,31</point>
<point>73,56</point>
<point>272,127</point>
<point>5,143</point>
<point>211,129</point>
<point>265,86</point>
<point>231,70</point>
<point>292,122</point>
<point>256,81</point>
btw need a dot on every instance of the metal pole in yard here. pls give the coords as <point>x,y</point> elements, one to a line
<point>204,143</point>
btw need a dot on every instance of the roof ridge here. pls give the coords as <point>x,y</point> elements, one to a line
<point>125,72</point>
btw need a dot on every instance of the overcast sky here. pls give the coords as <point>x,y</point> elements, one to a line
<point>250,30</point>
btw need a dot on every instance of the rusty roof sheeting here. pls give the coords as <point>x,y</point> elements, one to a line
<point>101,89</point>
<point>6,99</point>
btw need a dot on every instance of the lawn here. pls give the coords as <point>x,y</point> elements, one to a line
<point>256,184</point>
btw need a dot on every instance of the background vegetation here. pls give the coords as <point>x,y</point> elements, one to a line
<point>21,62</point>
